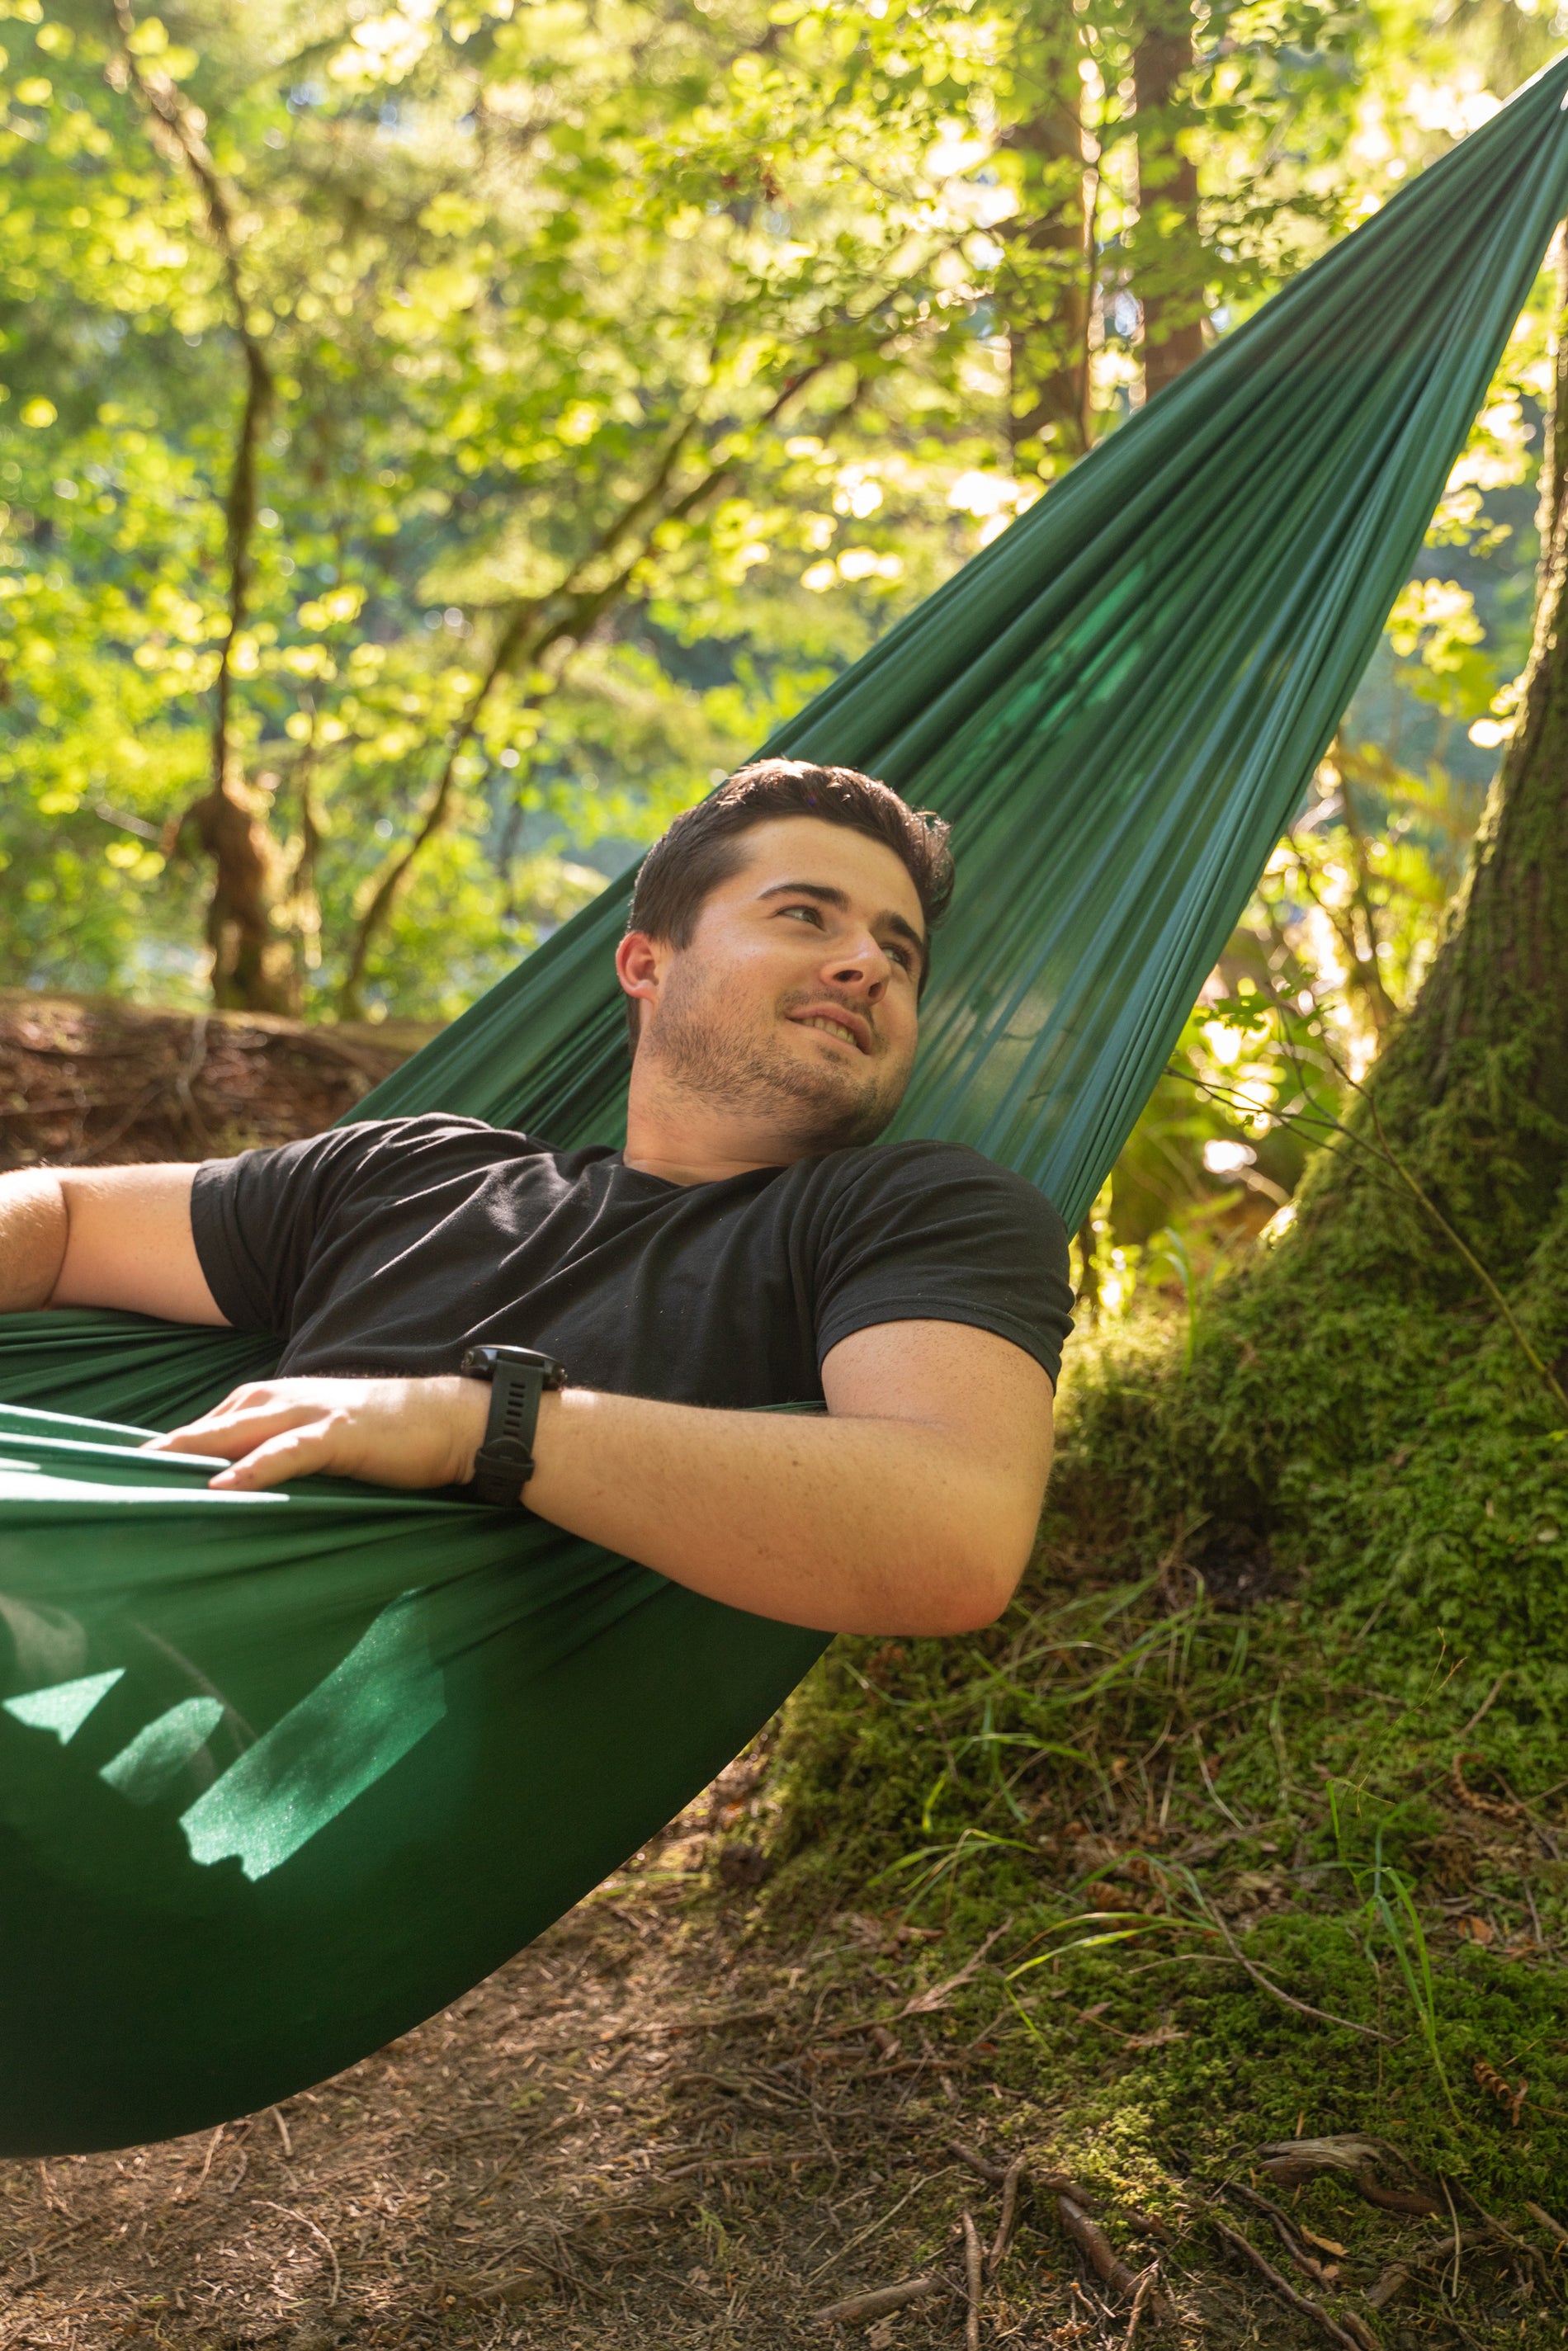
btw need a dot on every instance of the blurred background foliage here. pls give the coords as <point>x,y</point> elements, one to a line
<point>438,441</point>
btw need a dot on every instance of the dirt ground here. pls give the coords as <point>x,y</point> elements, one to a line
<point>661,2126</point>
<point>653,2127</point>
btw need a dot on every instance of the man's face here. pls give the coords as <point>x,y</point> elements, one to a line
<point>795,1004</point>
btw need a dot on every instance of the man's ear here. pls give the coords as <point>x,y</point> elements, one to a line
<point>638,967</point>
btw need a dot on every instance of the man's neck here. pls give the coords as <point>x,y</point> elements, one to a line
<point>683,1139</point>
<point>689,1158</point>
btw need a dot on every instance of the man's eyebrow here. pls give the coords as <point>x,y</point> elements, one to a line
<point>828,895</point>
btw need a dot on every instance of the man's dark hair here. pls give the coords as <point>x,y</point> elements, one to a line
<point>701,849</point>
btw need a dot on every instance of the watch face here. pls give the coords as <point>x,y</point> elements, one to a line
<point>484,1363</point>
<point>529,1359</point>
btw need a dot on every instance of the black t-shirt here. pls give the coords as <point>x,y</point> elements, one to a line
<point>390,1245</point>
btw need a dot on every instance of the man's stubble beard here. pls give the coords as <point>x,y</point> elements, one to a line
<point>816,1106</point>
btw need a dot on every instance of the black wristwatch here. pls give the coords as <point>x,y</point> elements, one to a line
<point>519,1376</point>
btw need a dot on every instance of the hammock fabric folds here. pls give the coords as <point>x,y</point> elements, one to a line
<point>281,1774</point>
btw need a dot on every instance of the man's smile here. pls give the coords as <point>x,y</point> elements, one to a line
<point>847,1026</point>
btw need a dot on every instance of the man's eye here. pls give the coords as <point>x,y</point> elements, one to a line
<point>807,913</point>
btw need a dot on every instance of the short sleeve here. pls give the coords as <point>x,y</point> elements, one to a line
<point>935,1233</point>
<point>262,1221</point>
<point>256,1219</point>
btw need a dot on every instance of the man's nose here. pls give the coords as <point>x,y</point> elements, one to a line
<point>865,968</point>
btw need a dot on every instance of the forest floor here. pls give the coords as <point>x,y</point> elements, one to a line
<point>667,2124</point>
<point>791,2056</point>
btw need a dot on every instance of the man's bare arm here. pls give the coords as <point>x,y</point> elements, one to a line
<point>102,1237</point>
<point>911,1508</point>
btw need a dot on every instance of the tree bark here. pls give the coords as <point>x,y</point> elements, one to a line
<point>250,965</point>
<point>1166,245</point>
<point>1050,249</point>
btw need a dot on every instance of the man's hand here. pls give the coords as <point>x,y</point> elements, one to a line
<point>388,1432</point>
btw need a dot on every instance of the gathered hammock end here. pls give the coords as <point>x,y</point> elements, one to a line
<point>281,1774</point>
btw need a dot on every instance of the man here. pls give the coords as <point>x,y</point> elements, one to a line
<point>748,1247</point>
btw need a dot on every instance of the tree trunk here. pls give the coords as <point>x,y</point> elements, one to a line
<point>1049,243</point>
<point>252,967</point>
<point>1166,247</point>
<point>1382,1393</point>
<point>1473,1094</point>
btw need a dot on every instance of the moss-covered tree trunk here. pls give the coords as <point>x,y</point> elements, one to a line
<point>1377,1404</point>
<point>1471,1096</point>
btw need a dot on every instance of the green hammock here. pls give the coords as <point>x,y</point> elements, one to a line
<point>279,1775</point>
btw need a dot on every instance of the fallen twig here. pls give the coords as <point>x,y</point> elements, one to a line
<point>307,2222</point>
<point>1052,2183</point>
<point>925,2003</point>
<point>974,2281</point>
<point>994,2172</point>
<point>884,2298</point>
<point>1003,2237</point>
<point>1282,2286</point>
<point>213,2145</point>
<point>1143,2294</point>
<point>1546,2220</point>
<point>1303,2260</point>
<point>1103,2258</point>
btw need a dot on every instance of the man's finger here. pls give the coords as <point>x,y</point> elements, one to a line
<point>237,1401</point>
<point>293,1453</point>
<point>230,1435</point>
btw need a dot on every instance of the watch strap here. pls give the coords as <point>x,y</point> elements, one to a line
<point>505,1461</point>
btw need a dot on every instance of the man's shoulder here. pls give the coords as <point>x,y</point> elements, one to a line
<point>422,1133</point>
<point>383,1157</point>
<point>425,1126</point>
<point>938,1174</point>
